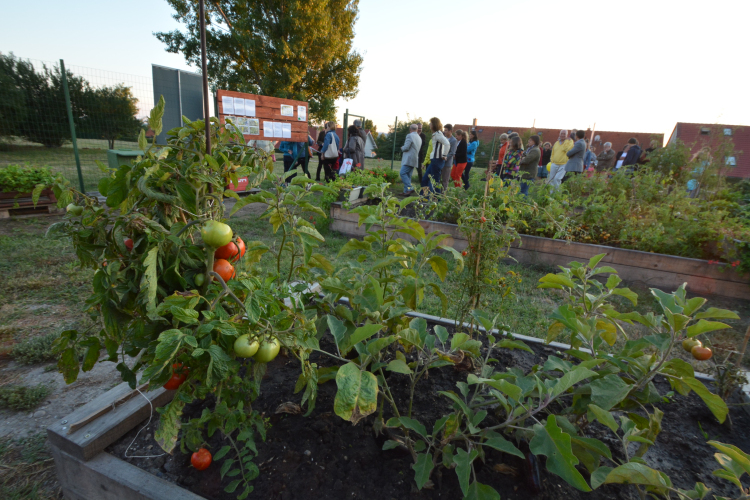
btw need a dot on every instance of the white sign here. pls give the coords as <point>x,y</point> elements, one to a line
<point>253,126</point>
<point>286,130</point>
<point>267,129</point>
<point>287,110</point>
<point>239,106</point>
<point>227,105</point>
<point>249,107</point>
<point>301,113</point>
<point>277,132</point>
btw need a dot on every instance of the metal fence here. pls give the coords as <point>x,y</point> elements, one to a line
<point>39,101</point>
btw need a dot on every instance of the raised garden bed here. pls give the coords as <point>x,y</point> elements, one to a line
<point>323,456</point>
<point>18,204</point>
<point>665,272</point>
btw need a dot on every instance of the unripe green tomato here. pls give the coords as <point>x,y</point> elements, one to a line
<point>216,234</point>
<point>74,209</point>
<point>267,351</point>
<point>688,344</point>
<point>244,348</point>
<point>199,279</point>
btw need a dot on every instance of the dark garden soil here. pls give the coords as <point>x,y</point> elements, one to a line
<point>324,457</point>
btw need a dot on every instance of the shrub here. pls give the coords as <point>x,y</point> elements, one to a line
<point>35,350</point>
<point>22,397</point>
<point>23,178</point>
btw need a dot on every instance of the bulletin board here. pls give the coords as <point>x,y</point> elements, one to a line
<point>264,118</point>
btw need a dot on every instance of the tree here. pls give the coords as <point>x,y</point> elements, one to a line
<point>110,114</point>
<point>300,49</point>
<point>371,127</point>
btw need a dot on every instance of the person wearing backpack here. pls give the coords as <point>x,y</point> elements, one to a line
<point>330,151</point>
<point>355,148</point>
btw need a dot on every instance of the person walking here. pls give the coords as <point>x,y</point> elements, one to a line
<point>432,179</point>
<point>471,151</point>
<point>303,156</point>
<point>529,164</point>
<point>361,132</point>
<point>559,158</point>
<point>446,172</point>
<point>574,165</point>
<point>330,151</point>
<point>606,159</point>
<point>422,150</point>
<point>289,149</point>
<point>461,159</point>
<point>355,148</point>
<point>410,157</point>
<point>319,153</point>
<point>503,142</point>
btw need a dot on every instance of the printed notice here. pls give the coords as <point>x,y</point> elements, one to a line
<point>227,105</point>
<point>267,129</point>
<point>301,113</point>
<point>249,107</point>
<point>253,125</point>
<point>287,110</point>
<point>239,106</point>
<point>277,129</point>
<point>286,130</point>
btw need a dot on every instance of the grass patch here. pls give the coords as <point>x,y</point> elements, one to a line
<point>22,397</point>
<point>35,350</point>
<point>28,471</point>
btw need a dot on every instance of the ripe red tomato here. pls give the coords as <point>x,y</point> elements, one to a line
<point>179,375</point>
<point>464,253</point>
<point>231,251</point>
<point>483,219</point>
<point>701,353</point>
<point>224,269</point>
<point>201,459</point>
<point>128,244</point>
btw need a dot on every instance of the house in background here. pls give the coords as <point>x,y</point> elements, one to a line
<point>370,145</point>
<point>697,135</point>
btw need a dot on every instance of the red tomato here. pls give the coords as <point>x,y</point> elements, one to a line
<point>128,244</point>
<point>179,375</point>
<point>701,353</point>
<point>231,251</point>
<point>224,269</point>
<point>464,253</point>
<point>483,219</point>
<point>201,459</point>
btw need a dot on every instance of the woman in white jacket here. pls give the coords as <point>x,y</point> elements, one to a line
<point>440,148</point>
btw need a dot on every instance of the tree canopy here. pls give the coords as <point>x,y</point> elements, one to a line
<point>299,49</point>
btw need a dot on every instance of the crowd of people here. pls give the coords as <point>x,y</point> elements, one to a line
<point>449,156</point>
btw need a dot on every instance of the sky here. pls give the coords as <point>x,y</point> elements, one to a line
<point>637,66</point>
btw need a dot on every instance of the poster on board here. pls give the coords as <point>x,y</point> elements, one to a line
<point>277,132</point>
<point>286,130</point>
<point>239,106</point>
<point>302,113</point>
<point>267,129</point>
<point>287,110</point>
<point>253,126</point>
<point>227,103</point>
<point>249,107</point>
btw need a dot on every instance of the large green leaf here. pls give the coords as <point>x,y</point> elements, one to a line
<point>556,281</point>
<point>479,491</point>
<point>713,312</point>
<point>704,326</point>
<point>150,281</point>
<point>357,393</point>
<point>608,391</point>
<point>604,417</point>
<point>169,424</point>
<point>463,460</point>
<point>499,443</point>
<point>422,469</point>
<point>549,440</point>
<point>439,265</point>
<point>569,380</point>
<point>738,456</point>
<point>717,406</point>
<point>637,473</point>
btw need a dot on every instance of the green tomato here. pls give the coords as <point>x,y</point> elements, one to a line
<point>74,209</point>
<point>216,234</point>
<point>267,351</point>
<point>688,344</point>
<point>199,279</point>
<point>243,348</point>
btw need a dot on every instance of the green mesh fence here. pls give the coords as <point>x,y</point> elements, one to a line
<point>107,109</point>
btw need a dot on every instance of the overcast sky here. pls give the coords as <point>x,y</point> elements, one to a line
<point>624,65</point>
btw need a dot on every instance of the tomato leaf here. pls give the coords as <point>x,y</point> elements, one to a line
<point>422,469</point>
<point>550,441</point>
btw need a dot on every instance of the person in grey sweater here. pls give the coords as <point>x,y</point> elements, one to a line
<point>446,173</point>
<point>410,157</point>
<point>575,156</point>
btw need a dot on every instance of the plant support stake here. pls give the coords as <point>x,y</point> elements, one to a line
<point>72,124</point>
<point>204,71</point>
<point>393,153</point>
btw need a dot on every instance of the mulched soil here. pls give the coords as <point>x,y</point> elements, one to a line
<point>324,457</point>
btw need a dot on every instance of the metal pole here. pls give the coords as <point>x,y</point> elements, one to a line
<point>393,154</point>
<point>72,124</point>
<point>346,125</point>
<point>204,70</point>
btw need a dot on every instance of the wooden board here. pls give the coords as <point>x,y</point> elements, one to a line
<point>106,477</point>
<point>269,109</point>
<point>89,440</point>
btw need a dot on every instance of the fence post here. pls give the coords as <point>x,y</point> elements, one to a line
<point>346,126</point>
<point>393,153</point>
<point>72,124</point>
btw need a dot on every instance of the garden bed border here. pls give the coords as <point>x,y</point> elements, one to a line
<point>666,272</point>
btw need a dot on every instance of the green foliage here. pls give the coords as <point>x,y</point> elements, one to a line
<point>301,50</point>
<point>24,179</point>
<point>111,115</point>
<point>35,350</point>
<point>22,397</point>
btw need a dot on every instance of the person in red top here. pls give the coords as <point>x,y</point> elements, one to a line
<point>501,154</point>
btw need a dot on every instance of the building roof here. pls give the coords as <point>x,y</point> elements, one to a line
<point>697,135</point>
<point>618,139</point>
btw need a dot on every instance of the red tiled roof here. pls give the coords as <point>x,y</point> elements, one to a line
<point>690,134</point>
<point>618,139</point>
